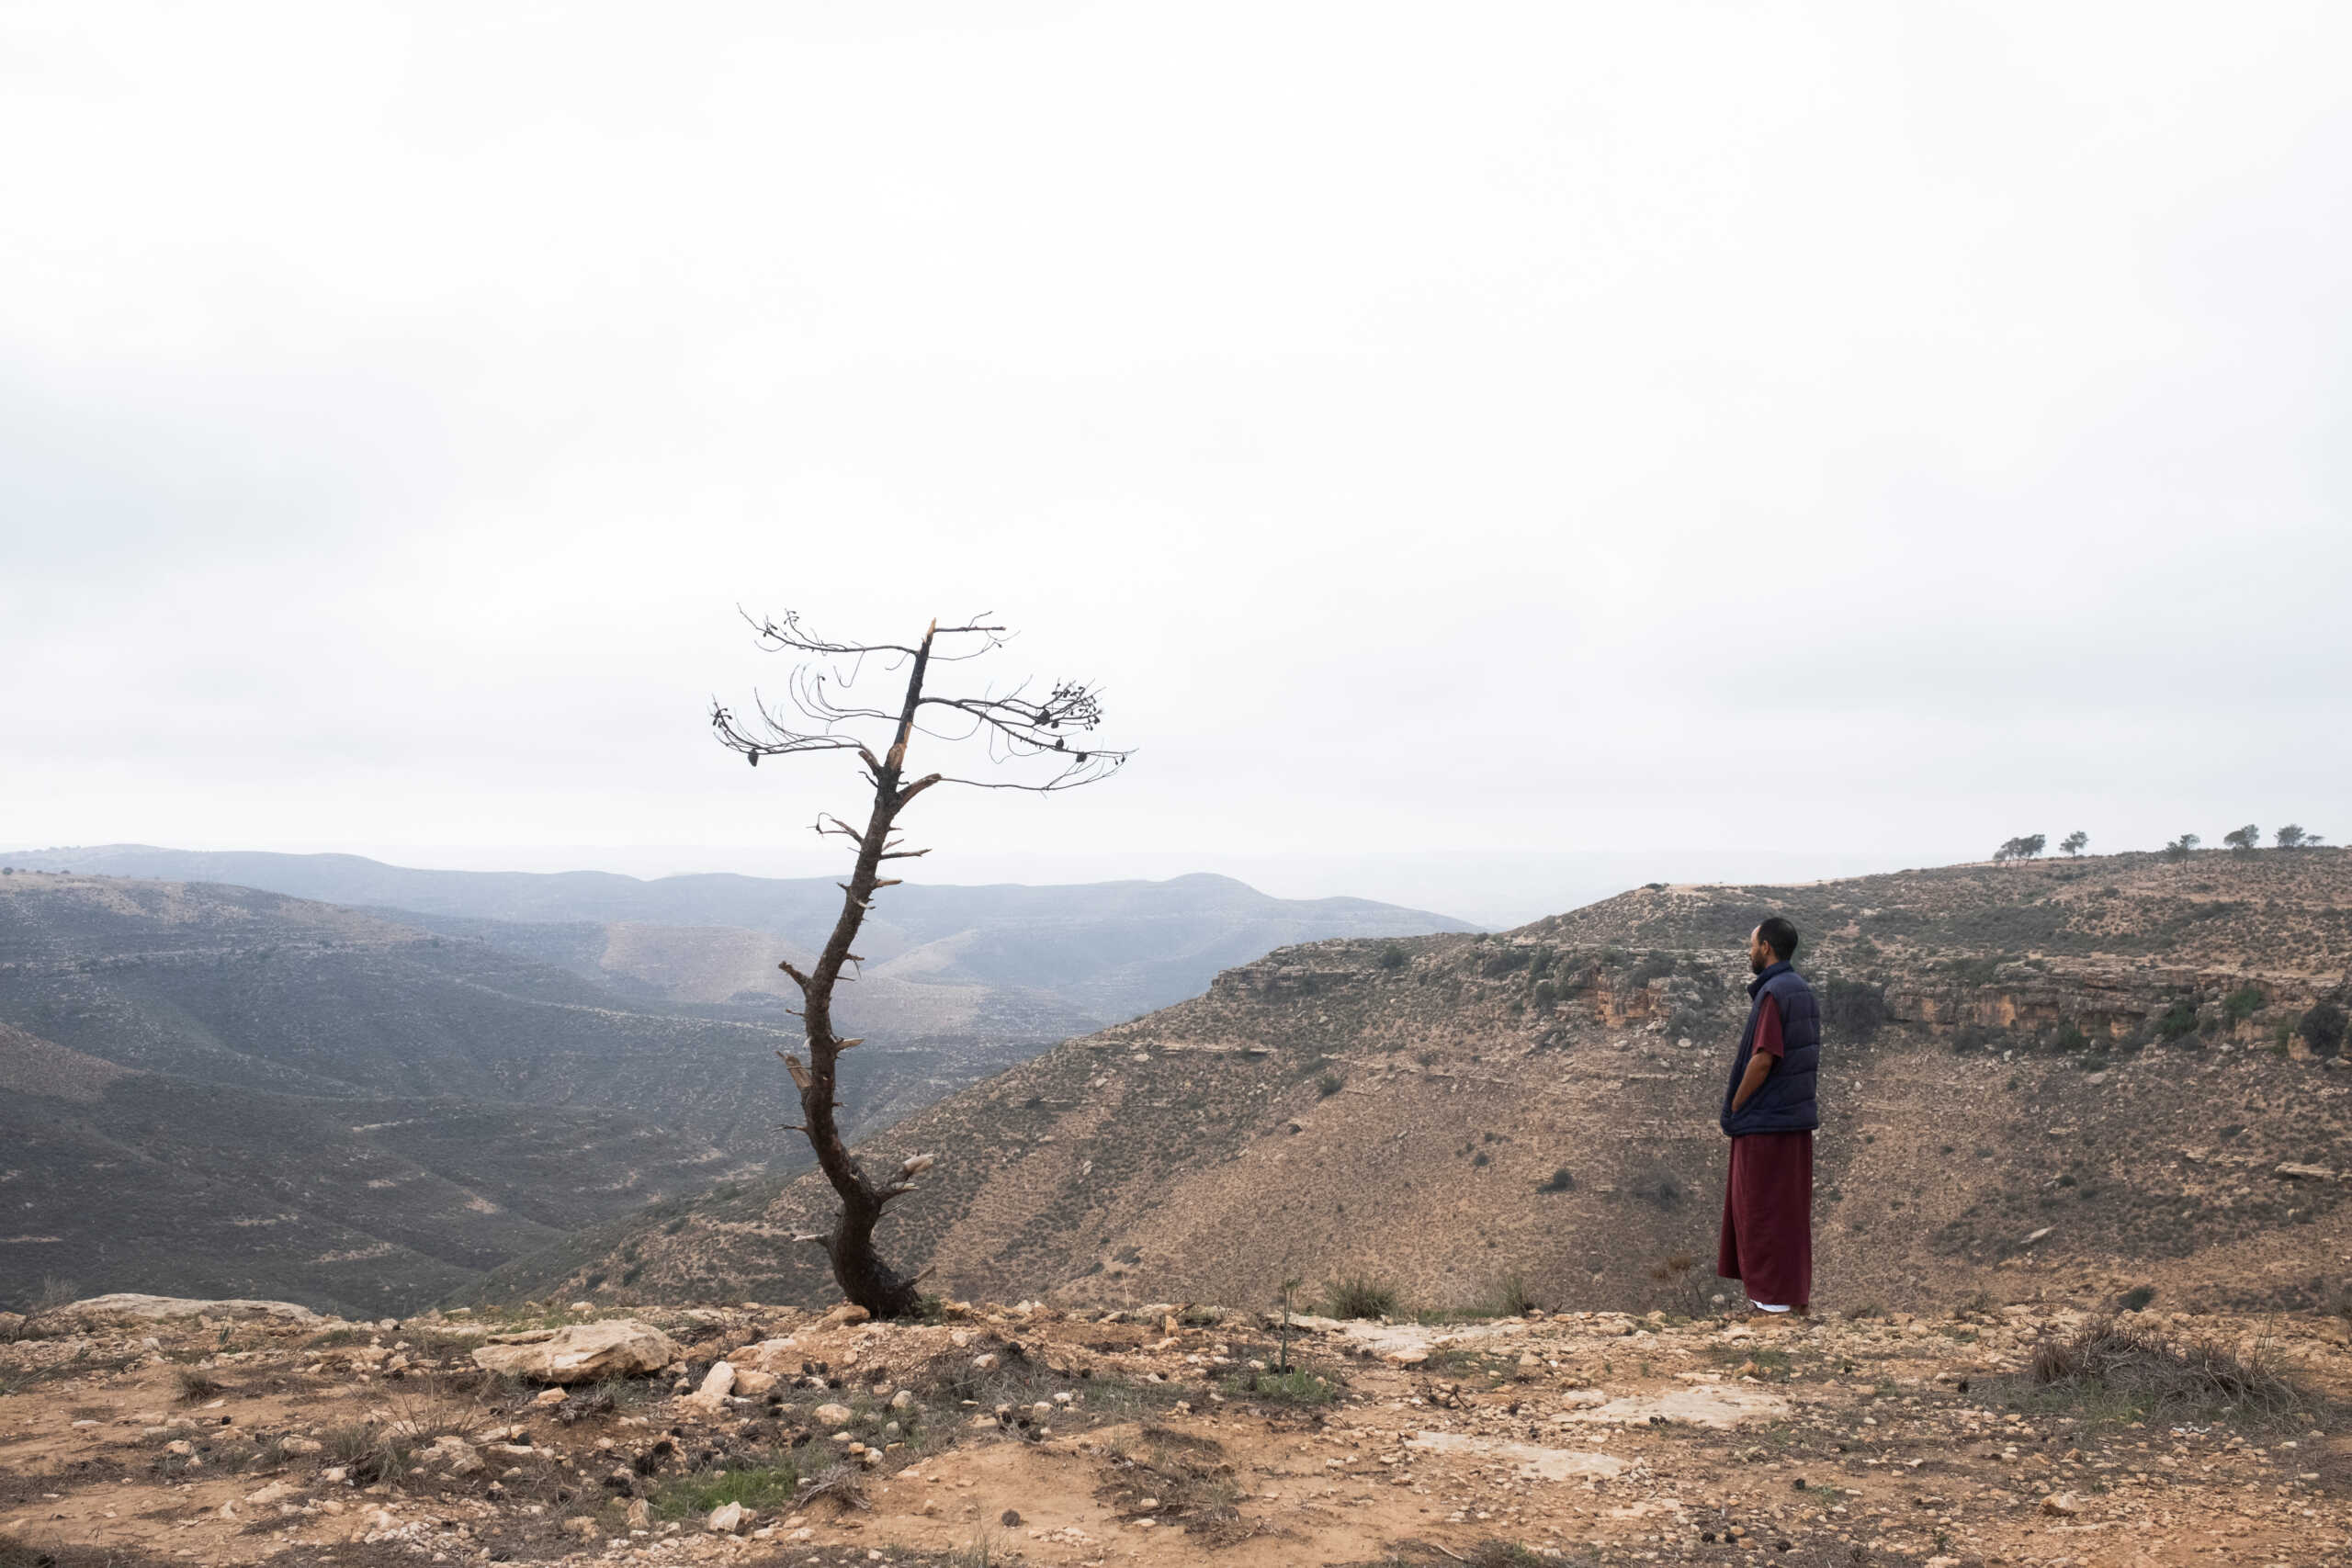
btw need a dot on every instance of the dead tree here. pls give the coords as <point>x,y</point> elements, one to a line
<point>1046,733</point>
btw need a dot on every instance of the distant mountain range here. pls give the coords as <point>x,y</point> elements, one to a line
<point>1108,950</point>
<point>209,1087</point>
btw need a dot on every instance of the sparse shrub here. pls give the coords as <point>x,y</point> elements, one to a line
<point>1392,956</point>
<point>2199,1379</point>
<point>1865,1310</point>
<point>1480,1159</point>
<point>2322,1026</point>
<point>190,1385</point>
<point>1559,1182</point>
<point>1508,961</point>
<point>980,1551</point>
<point>1329,1085</point>
<point>2178,1020</point>
<point>1513,1298</point>
<point>2137,1298</point>
<point>2070,1038</point>
<point>1547,995</point>
<point>1656,966</point>
<point>1359,1296</point>
<point>1852,1010</point>
<point>1682,1288</point>
<point>2243,1004</point>
<point>840,1484</point>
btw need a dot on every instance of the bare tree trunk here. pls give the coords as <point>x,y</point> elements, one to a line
<point>863,1276</point>
<point>1019,726</point>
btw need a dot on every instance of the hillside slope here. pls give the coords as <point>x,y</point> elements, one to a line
<point>2087,1069</point>
<point>219,1089</point>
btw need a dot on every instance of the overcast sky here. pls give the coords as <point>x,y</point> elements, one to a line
<point>1733,435</point>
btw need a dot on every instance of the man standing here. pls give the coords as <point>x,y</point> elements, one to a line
<point>1770,1117</point>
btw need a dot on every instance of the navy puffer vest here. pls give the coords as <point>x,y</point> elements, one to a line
<point>1783,1103</point>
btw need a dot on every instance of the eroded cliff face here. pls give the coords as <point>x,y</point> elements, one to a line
<point>1452,1114</point>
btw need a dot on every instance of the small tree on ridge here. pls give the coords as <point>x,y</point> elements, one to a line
<point>1017,728</point>
<point>2075,843</point>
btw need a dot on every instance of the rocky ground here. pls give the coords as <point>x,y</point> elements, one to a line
<point>137,1432</point>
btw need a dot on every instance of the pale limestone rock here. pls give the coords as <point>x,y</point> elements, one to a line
<point>580,1352</point>
<point>773,1355</point>
<point>128,1304</point>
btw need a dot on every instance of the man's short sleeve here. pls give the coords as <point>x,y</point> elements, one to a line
<point>1767,1028</point>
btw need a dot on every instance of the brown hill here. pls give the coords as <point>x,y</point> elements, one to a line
<point>2089,1068</point>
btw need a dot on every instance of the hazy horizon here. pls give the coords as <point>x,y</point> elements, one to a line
<point>1497,891</point>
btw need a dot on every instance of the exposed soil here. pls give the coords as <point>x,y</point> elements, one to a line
<point>1032,1436</point>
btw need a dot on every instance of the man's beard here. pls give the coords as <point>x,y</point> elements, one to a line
<point>1756,965</point>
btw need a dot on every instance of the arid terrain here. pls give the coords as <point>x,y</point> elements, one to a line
<point>2097,1073</point>
<point>239,1092</point>
<point>138,1433</point>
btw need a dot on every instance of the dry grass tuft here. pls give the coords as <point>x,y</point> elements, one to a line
<point>192,1385</point>
<point>2200,1377</point>
<point>1359,1296</point>
<point>843,1484</point>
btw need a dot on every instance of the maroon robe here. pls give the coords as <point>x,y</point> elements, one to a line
<point>1768,1203</point>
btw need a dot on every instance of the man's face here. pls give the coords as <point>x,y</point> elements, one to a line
<point>1759,952</point>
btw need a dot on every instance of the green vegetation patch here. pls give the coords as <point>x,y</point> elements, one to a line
<point>762,1485</point>
<point>1297,1386</point>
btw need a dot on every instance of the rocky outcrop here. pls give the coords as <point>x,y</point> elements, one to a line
<point>155,1308</point>
<point>578,1353</point>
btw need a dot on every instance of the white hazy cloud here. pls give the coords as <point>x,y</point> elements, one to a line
<point>1492,430</point>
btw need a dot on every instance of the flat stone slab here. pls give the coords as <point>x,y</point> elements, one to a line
<point>1533,1462</point>
<point>1706,1404</point>
<point>1392,1340</point>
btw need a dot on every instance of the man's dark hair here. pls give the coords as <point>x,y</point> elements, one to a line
<point>1779,936</point>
